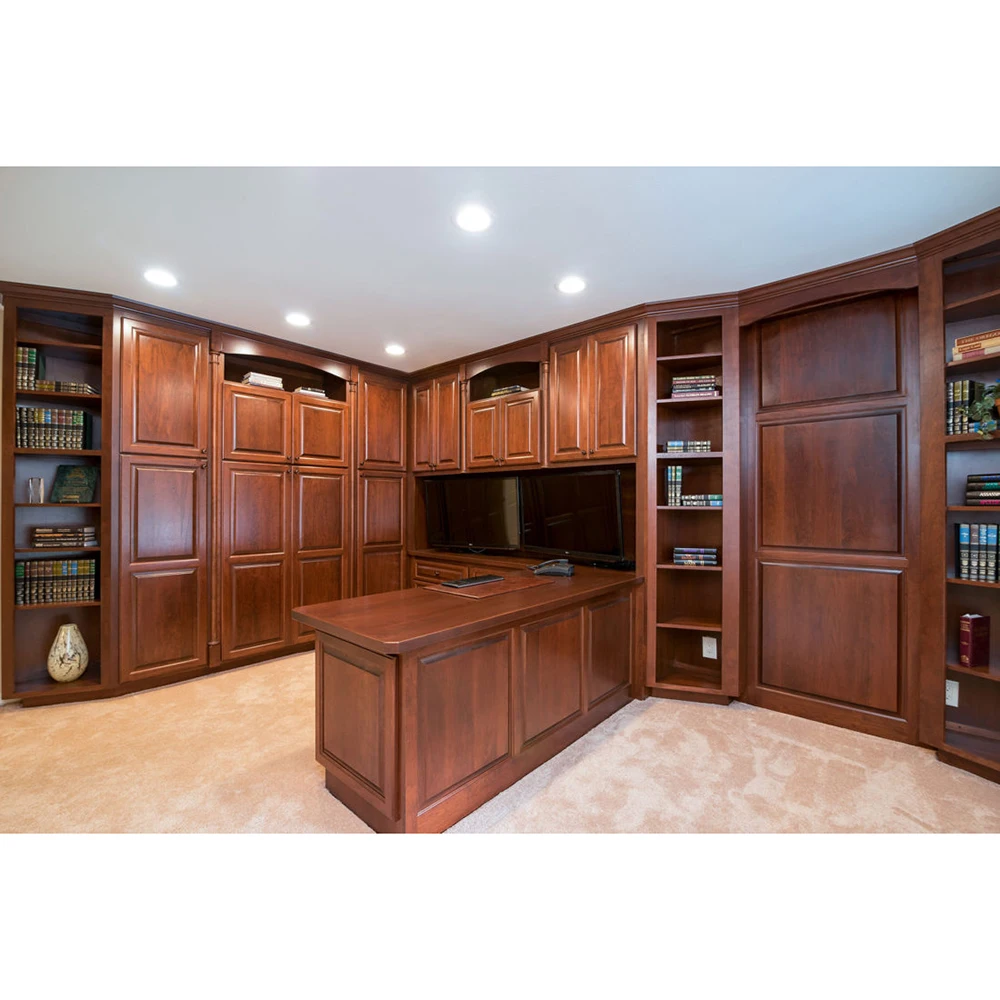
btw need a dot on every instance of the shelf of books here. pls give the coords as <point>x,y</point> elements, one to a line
<point>55,495</point>
<point>971,289</point>
<point>696,630</point>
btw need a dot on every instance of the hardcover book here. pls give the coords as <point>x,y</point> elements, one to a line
<point>974,640</point>
<point>74,484</point>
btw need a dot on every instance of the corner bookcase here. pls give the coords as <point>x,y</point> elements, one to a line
<point>969,305</point>
<point>692,608</point>
<point>72,347</point>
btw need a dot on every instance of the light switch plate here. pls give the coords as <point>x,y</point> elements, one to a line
<point>709,647</point>
<point>951,694</point>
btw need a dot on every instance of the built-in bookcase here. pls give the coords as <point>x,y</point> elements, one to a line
<point>694,609</point>
<point>70,347</point>
<point>971,305</point>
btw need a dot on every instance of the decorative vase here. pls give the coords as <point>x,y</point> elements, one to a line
<point>68,657</point>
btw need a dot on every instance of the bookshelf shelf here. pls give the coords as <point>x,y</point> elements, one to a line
<point>973,747</point>
<point>982,304</point>
<point>973,583</point>
<point>688,509</point>
<point>707,357</point>
<point>68,452</point>
<point>989,674</point>
<point>62,551</point>
<point>684,677</point>
<point>60,397</point>
<point>969,439</point>
<point>60,604</point>
<point>689,569</point>
<point>704,401</point>
<point>990,509</point>
<point>991,361</point>
<point>691,625</point>
<point>686,456</point>
<point>57,505</point>
<point>40,683</point>
<point>67,350</point>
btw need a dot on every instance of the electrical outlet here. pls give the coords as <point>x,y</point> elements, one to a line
<point>951,694</point>
<point>709,647</point>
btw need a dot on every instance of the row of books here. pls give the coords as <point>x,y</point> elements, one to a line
<point>264,381</point>
<point>675,495</point>
<point>83,388</point>
<point>695,386</point>
<point>958,396</point>
<point>977,552</point>
<point>696,557</point>
<point>688,446</point>
<point>55,429</point>
<point>54,581</point>
<point>509,390</point>
<point>67,537</point>
<point>26,363</point>
<point>976,345</point>
<point>982,490</point>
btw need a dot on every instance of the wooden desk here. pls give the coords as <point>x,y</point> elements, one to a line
<point>428,704</point>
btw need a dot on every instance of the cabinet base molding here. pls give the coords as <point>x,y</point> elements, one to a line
<point>706,698</point>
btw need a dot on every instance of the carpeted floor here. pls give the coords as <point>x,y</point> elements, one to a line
<point>234,753</point>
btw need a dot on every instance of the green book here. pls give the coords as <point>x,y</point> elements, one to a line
<point>74,484</point>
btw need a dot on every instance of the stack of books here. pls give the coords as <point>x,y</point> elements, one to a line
<point>977,552</point>
<point>701,500</point>
<point>508,390</point>
<point>83,388</point>
<point>958,395</point>
<point>56,430</point>
<point>264,381</point>
<point>695,386</point>
<point>688,446</point>
<point>54,581</point>
<point>26,368</point>
<point>69,537</point>
<point>978,345</point>
<point>305,390</point>
<point>696,557</point>
<point>673,485</point>
<point>983,490</point>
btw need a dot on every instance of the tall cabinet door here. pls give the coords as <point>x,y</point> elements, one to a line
<point>520,429</point>
<point>483,445</point>
<point>165,390</point>
<point>164,566</point>
<point>256,573</point>
<point>447,432</point>
<point>569,406</point>
<point>320,519</point>
<point>320,432</point>
<point>422,431</point>
<point>612,393</point>
<point>380,533</point>
<point>256,424</point>
<point>381,422</point>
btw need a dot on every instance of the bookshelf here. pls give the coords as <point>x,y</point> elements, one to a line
<point>970,293</point>
<point>68,344</point>
<point>694,608</point>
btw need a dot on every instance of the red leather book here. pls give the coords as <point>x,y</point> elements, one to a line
<point>974,640</point>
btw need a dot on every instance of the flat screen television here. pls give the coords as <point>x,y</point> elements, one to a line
<point>473,513</point>
<point>574,514</point>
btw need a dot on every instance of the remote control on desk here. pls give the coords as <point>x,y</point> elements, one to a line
<point>472,581</point>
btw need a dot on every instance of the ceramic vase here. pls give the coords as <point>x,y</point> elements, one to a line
<point>68,657</point>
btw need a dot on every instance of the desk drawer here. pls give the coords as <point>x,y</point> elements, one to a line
<point>429,572</point>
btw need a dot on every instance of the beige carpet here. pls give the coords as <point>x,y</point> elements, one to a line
<point>234,753</point>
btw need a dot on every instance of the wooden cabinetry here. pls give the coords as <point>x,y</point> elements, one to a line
<point>381,559</point>
<point>164,566</point>
<point>436,431</point>
<point>165,389</point>
<point>256,424</point>
<point>381,422</point>
<point>504,431</point>
<point>320,432</point>
<point>592,397</point>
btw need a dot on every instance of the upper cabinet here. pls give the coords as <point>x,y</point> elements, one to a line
<point>165,389</point>
<point>320,432</point>
<point>436,434</point>
<point>592,396</point>
<point>256,424</point>
<point>504,431</point>
<point>381,422</point>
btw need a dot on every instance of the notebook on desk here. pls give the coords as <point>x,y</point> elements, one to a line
<point>505,586</point>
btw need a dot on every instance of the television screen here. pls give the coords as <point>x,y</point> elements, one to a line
<point>477,513</point>
<point>574,514</point>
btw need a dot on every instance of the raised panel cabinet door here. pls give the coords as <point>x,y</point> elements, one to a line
<point>165,390</point>
<point>163,599</point>
<point>381,422</point>
<point>612,393</point>
<point>608,626</point>
<point>380,570</point>
<point>422,432</point>
<point>255,558</point>
<point>320,432</point>
<point>521,443</point>
<point>569,423</point>
<point>257,424</point>
<point>447,420</point>
<point>483,446</point>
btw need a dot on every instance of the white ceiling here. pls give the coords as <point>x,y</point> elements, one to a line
<point>372,254</point>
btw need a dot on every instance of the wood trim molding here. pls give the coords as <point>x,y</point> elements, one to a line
<point>965,235</point>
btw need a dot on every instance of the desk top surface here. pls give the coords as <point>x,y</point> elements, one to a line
<point>403,620</point>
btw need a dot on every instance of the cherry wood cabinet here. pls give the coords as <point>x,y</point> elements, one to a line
<point>436,432</point>
<point>256,424</point>
<point>256,558</point>
<point>163,595</point>
<point>380,545</point>
<point>381,420</point>
<point>320,432</point>
<point>165,389</point>
<point>592,402</point>
<point>504,431</point>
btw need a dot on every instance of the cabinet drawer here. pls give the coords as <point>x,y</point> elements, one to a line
<point>428,572</point>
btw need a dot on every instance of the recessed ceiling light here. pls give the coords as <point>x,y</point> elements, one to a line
<point>395,349</point>
<point>473,218</point>
<point>572,284</point>
<point>157,276</point>
<point>297,319</point>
